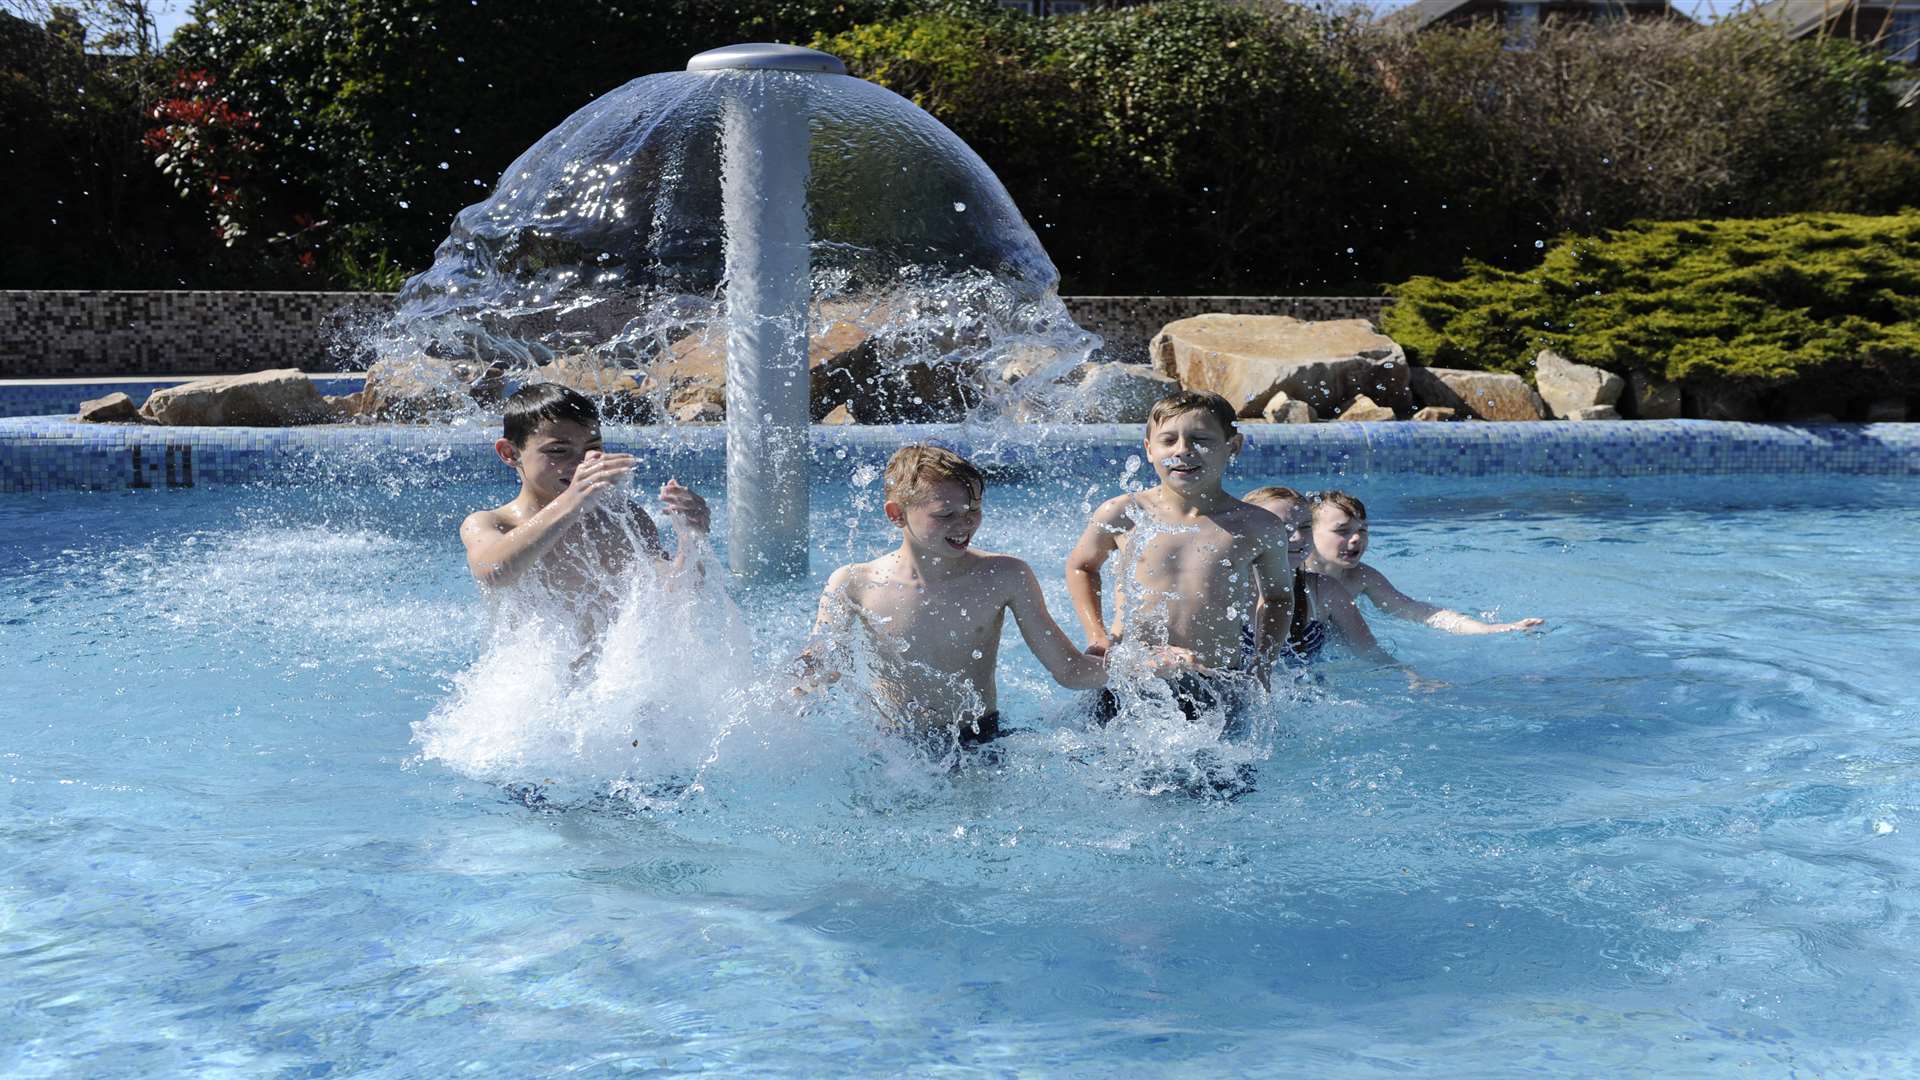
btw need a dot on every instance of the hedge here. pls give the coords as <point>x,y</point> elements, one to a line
<point>1760,302</point>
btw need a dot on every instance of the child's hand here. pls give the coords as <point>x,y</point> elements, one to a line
<point>596,473</point>
<point>1165,660</point>
<point>1523,624</point>
<point>685,506</point>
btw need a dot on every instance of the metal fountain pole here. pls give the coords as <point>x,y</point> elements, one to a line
<point>764,168</point>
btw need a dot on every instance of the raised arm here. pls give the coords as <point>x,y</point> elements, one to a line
<point>1374,586</point>
<point>1069,666</point>
<point>498,553</point>
<point>1101,539</point>
<point>1275,607</point>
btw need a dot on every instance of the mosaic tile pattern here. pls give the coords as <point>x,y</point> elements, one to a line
<point>39,454</point>
<point>62,334</point>
<point>62,397</point>
<point>67,334</point>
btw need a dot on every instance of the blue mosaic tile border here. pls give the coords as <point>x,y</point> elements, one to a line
<point>39,454</point>
<point>62,397</point>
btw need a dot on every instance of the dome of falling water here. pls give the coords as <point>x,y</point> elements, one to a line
<point>606,242</point>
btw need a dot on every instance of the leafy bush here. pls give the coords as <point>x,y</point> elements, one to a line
<point>1764,302</point>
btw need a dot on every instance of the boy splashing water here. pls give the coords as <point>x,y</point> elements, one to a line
<point>1193,556</point>
<point>932,611</point>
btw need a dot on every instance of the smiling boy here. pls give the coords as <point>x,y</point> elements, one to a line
<point>571,527</point>
<point>932,610</point>
<point>1339,542</point>
<point>1193,556</point>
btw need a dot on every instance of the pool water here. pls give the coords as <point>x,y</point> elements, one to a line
<point>276,807</point>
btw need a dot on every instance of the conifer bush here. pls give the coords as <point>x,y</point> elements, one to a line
<point>1758,302</point>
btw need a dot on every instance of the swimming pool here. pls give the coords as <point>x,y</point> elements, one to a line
<point>260,818</point>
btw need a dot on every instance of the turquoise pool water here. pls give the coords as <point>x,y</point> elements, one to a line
<point>260,817</point>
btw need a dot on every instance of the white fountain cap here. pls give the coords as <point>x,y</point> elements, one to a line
<point>767,56</point>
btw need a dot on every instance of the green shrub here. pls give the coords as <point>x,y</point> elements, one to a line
<point>1762,302</point>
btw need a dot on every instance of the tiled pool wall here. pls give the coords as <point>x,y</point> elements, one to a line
<point>68,334</point>
<point>45,454</point>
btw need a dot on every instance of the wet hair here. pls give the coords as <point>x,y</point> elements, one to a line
<point>915,468</point>
<point>1186,401</point>
<point>1339,500</point>
<point>537,403</point>
<point>1272,494</point>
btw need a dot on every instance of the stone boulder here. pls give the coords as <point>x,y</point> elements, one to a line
<point>112,409</point>
<point>612,387</point>
<point>1247,359</point>
<point>276,398</point>
<point>1568,387</point>
<point>1652,399</point>
<point>1112,393</point>
<point>1281,409</point>
<point>1363,408</point>
<point>1484,395</point>
<point>848,367</point>
<point>1594,412</point>
<point>1434,413</point>
<point>421,387</point>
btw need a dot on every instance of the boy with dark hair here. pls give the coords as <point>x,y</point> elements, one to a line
<point>932,610</point>
<point>1340,539</point>
<point>571,526</point>
<point>1193,557</point>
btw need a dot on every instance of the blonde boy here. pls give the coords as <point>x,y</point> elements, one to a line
<point>1193,558</point>
<point>933,609</point>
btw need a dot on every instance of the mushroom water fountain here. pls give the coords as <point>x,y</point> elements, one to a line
<point>765,203</point>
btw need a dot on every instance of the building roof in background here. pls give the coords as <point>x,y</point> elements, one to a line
<point>1424,13</point>
<point>1802,17</point>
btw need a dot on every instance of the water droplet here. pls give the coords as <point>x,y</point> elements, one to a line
<point>959,208</point>
<point>403,204</point>
<point>444,166</point>
<point>1539,243</point>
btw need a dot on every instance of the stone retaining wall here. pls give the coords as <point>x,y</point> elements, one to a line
<point>69,334</point>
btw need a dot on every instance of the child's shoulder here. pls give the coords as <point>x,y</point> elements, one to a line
<point>483,523</point>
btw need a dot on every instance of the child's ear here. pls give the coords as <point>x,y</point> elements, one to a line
<point>508,452</point>
<point>895,512</point>
<point>1237,443</point>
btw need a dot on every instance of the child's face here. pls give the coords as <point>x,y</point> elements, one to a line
<point>940,522</point>
<point>1190,451</point>
<point>552,452</point>
<point>1339,537</point>
<point>1299,518</point>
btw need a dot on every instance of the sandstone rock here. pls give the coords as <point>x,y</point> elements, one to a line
<point>698,405</point>
<point>1281,409</point>
<point>419,386</point>
<point>1249,358</point>
<point>847,367</point>
<point>838,415</point>
<point>613,387</point>
<point>343,407</point>
<point>1887,411</point>
<point>1363,408</point>
<point>1437,412</point>
<point>1484,395</point>
<point>1652,399</point>
<point>113,409</point>
<point>274,398</point>
<point>1567,387</point>
<point>1110,393</point>
<point>1594,412</point>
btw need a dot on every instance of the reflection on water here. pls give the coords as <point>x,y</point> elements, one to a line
<point>1672,836</point>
